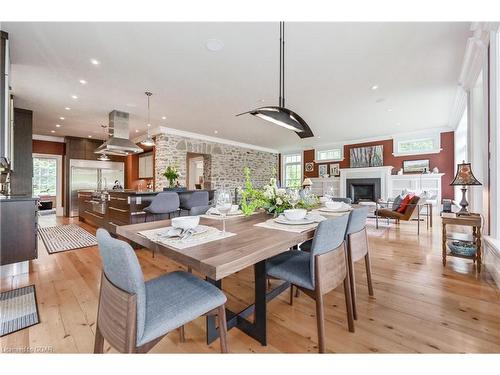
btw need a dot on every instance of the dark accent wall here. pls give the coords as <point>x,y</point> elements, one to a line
<point>22,175</point>
<point>445,160</point>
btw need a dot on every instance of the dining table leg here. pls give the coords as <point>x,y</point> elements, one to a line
<point>258,328</point>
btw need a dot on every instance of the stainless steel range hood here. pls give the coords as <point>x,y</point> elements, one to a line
<point>118,143</point>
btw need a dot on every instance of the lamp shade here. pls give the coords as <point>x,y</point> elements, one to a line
<point>307,182</point>
<point>464,176</point>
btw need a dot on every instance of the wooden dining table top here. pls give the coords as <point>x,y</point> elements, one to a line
<point>221,258</point>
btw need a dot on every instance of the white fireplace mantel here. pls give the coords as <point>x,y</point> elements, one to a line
<point>384,173</point>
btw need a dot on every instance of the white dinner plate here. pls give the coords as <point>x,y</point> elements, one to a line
<point>283,220</point>
<point>342,209</point>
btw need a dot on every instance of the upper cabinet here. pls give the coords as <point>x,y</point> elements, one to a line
<point>146,165</point>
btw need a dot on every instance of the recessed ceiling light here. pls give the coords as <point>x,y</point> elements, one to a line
<point>83,82</point>
<point>52,131</point>
<point>215,45</point>
<point>164,117</point>
<point>216,131</point>
<point>67,108</point>
<point>389,109</point>
<point>61,118</point>
<point>131,105</point>
<point>149,125</point>
<point>137,130</point>
<point>58,126</point>
<point>319,136</point>
<point>74,97</point>
<point>94,62</point>
<point>375,87</point>
<point>90,136</point>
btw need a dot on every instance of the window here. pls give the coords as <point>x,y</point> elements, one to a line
<point>44,176</point>
<point>331,154</point>
<point>427,143</point>
<point>292,167</point>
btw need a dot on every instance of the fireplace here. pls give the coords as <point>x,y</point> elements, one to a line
<point>363,189</point>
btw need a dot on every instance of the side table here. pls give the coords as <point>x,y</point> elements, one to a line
<point>472,220</point>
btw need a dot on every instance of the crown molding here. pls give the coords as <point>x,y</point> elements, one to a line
<point>182,133</point>
<point>49,138</point>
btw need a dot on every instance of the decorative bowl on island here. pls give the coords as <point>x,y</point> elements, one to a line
<point>185,222</point>
<point>295,214</point>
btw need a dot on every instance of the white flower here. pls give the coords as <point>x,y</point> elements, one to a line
<point>279,202</point>
<point>281,192</point>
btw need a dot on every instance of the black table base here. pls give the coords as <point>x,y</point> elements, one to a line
<point>257,329</point>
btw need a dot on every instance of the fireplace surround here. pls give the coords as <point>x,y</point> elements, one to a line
<point>363,189</point>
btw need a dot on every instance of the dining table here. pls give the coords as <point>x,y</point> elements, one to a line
<point>249,245</point>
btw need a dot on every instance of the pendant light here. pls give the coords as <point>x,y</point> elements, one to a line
<point>280,115</point>
<point>148,142</point>
<point>103,156</point>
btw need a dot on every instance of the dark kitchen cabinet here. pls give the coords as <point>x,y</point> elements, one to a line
<point>22,174</point>
<point>18,223</point>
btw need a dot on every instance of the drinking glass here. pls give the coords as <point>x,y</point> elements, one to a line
<point>329,193</point>
<point>223,205</point>
<point>294,197</point>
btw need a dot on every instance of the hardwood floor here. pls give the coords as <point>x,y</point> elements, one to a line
<point>419,306</point>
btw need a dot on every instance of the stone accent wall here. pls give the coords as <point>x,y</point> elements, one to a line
<point>224,168</point>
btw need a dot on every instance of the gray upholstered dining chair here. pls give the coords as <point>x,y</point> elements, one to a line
<point>319,271</point>
<point>165,203</point>
<point>357,248</point>
<point>134,315</point>
<point>195,203</point>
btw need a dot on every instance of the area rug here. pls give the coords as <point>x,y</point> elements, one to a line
<point>66,237</point>
<point>18,309</point>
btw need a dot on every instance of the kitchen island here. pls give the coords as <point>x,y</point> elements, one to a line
<point>109,209</point>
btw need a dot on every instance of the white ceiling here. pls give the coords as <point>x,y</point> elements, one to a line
<point>330,68</point>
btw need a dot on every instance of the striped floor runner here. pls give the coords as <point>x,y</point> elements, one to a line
<point>65,237</point>
<point>18,309</point>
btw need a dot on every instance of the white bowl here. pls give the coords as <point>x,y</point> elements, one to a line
<point>333,205</point>
<point>295,214</point>
<point>185,222</point>
<point>323,199</point>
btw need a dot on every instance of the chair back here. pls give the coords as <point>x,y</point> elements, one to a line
<point>329,236</point>
<point>357,220</point>
<point>345,200</point>
<point>122,269</point>
<point>164,203</point>
<point>193,199</point>
<point>411,210</point>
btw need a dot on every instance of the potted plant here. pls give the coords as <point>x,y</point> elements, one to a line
<point>172,175</point>
<point>276,199</point>
<point>251,199</point>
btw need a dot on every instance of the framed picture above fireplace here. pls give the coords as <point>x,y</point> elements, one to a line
<point>416,166</point>
<point>369,156</point>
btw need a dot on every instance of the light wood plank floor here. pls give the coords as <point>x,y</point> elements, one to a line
<point>419,306</point>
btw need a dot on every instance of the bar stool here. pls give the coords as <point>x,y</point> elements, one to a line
<point>357,248</point>
<point>195,203</point>
<point>163,204</point>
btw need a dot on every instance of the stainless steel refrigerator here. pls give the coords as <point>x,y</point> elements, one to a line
<point>92,175</point>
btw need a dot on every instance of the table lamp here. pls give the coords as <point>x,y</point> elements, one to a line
<point>464,177</point>
<point>307,183</point>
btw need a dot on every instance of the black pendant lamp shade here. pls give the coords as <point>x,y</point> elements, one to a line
<point>280,115</point>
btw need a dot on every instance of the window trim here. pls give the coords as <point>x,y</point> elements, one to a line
<point>434,136</point>
<point>340,147</point>
<point>59,181</point>
<point>300,163</point>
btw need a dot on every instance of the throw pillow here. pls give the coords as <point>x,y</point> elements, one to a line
<point>404,204</point>
<point>397,202</point>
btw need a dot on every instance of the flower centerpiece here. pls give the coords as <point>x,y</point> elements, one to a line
<point>276,199</point>
<point>172,175</point>
<point>251,199</point>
